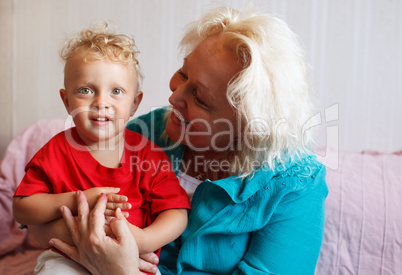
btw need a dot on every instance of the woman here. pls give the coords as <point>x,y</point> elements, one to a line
<point>236,135</point>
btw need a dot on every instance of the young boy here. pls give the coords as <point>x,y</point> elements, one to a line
<point>98,155</point>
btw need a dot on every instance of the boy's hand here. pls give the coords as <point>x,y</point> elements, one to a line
<point>115,201</point>
<point>93,194</point>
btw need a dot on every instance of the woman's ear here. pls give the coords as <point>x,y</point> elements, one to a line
<point>136,103</point>
<point>64,98</point>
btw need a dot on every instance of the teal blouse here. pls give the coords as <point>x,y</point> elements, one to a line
<point>268,223</point>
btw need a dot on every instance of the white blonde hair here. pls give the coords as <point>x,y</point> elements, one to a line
<point>271,93</point>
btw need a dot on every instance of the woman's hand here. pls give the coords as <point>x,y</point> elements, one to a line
<point>94,250</point>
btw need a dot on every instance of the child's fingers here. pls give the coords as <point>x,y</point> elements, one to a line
<point>108,219</point>
<point>108,190</point>
<point>148,262</point>
<point>111,213</point>
<point>111,197</point>
<point>114,205</point>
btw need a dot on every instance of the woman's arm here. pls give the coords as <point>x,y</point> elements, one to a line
<point>167,227</point>
<point>54,229</point>
<point>290,243</point>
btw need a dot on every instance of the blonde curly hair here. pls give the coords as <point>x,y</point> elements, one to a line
<point>98,42</point>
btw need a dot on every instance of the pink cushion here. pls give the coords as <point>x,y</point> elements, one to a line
<point>18,153</point>
<point>363,230</point>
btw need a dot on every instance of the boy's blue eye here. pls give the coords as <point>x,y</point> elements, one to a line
<point>85,91</point>
<point>116,92</point>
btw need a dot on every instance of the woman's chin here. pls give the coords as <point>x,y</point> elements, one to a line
<point>173,131</point>
<point>177,133</point>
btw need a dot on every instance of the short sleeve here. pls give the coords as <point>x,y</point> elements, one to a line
<point>34,181</point>
<point>159,185</point>
<point>167,193</point>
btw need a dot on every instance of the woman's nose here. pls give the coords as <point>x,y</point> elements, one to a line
<point>177,98</point>
<point>173,82</point>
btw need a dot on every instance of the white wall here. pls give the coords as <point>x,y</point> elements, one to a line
<point>354,48</point>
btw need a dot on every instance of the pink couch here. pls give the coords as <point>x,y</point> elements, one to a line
<point>363,229</point>
<point>18,250</point>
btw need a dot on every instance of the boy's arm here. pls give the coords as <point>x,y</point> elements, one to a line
<point>166,228</point>
<point>42,208</point>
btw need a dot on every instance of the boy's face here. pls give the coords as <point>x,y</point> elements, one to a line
<point>101,96</point>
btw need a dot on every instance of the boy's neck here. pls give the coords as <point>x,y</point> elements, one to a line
<point>110,158</point>
<point>108,152</point>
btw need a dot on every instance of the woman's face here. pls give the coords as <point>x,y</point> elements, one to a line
<point>202,117</point>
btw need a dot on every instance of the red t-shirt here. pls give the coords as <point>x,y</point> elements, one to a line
<point>146,176</point>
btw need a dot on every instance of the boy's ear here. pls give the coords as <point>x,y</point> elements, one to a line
<point>136,103</point>
<point>64,98</point>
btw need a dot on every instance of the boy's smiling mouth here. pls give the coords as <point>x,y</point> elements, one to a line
<point>101,119</point>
